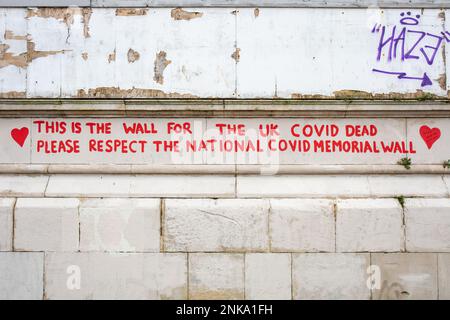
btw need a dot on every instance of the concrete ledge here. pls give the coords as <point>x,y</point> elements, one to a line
<point>19,108</point>
<point>227,169</point>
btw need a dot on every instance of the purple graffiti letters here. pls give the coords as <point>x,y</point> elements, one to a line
<point>421,44</point>
<point>408,43</point>
<point>425,80</point>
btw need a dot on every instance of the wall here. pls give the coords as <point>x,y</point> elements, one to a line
<point>246,53</point>
<point>304,225</point>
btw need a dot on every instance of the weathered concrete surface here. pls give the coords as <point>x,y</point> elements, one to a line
<point>115,276</point>
<point>330,276</point>
<point>216,225</point>
<point>21,275</point>
<point>6,223</point>
<point>84,52</point>
<point>406,276</point>
<point>120,225</point>
<point>268,276</point>
<point>444,276</point>
<point>369,225</point>
<point>427,225</point>
<point>302,225</point>
<point>140,186</point>
<point>215,276</point>
<point>46,224</point>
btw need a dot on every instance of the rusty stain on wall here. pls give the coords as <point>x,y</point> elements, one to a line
<point>132,55</point>
<point>84,55</point>
<point>9,35</point>
<point>114,92</point>
<point>160,65</point>
<point>131,12</point>
<point>256,12</point>
<point>112,56</point>
<point>236,54</point>
<point>180,14</point>
<point>86,14</point>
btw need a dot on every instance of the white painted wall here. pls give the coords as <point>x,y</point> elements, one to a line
<point>284,53</point>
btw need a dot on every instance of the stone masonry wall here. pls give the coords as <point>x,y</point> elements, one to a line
<point>224,237</point>
<point>325,227</point>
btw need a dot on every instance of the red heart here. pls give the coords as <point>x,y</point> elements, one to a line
<point>430,136</point>
<point>20,135</point>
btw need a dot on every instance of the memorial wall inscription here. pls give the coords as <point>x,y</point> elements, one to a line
<point>224,141</point>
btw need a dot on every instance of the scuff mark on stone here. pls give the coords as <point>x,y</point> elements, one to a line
<point>84,55</point>
<point>160,65</point>
<point>9,35</point>
<point>112,56</point>
<point>86,14</point>
<point>132,56</point>
<point>442,80</point>
<point>114,92</point>
<point>236,54</point>
<point>122,12</point>
<point>256,12</point>
<point>220,216</point>
<point>180,14</point>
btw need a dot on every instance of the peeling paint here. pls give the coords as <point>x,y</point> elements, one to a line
<point>236,54</point>
<point>442,80</point>
<point>8,59</point>
<point>9,35</point>
<point>256,12</point>
<point>114,92</point>
<point>180,14</point>
<point>355,94</point>
<point>363,95</point>
<point>160,65</point>
<point>63,14</point>
<point>112,56</point>
<point>13,94</point>
<point>22,59</point>
<point>86,13</point>
<point>131,12</point>
<point>84,55</point>
<point>32,54</point>
<point>133,56</point>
